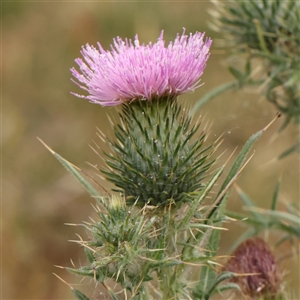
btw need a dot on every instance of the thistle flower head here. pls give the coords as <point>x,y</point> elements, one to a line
<point>254,256</point>
<point>131,70</point>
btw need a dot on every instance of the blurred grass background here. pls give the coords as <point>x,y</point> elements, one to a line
<point>40,41</point>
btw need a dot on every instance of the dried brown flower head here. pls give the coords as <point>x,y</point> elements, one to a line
<point>254,256</point>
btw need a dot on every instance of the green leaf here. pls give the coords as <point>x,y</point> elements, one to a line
<point>248,67</point>
<point>241,158</point>
<point>292,230</point>
<point>280,215</point>
<point>275,196</point>
<point>89,254</point>
<point>75,172</point>
<point>214,239</point>
<point>198,200</point>
<point>237,74</point>
<point>221,277</point>
<point>294,148</point>
<point>79,295</point>
<point>249,203</point>
<point>212,285</point>
<point>238,164</point>
<point>257,8</point>
<point>84,271</point>
<point>113,294</point>
<point>208,274</point>
<point>228,286</point>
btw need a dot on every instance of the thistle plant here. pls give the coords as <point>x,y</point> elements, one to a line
<point>157,233</point>
<point>265,37</point>
<point>152,160</point>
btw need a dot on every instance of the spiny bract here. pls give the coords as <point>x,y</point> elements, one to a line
<point>154,159</point>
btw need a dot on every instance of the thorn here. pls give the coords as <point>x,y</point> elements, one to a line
<point>45,145</point>
<point>71,224</point>
<point>229,157</point>
<point>55,154</point>
<point>63,281</point>
<point>278,115</point>
<point>60,267</point>
<point>72,263</point>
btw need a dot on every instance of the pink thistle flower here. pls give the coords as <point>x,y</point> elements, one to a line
<point>130,71</point>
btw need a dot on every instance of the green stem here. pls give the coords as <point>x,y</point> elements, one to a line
<point>168,275</point>
<point>260,36</point>
<point>212,94</point>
